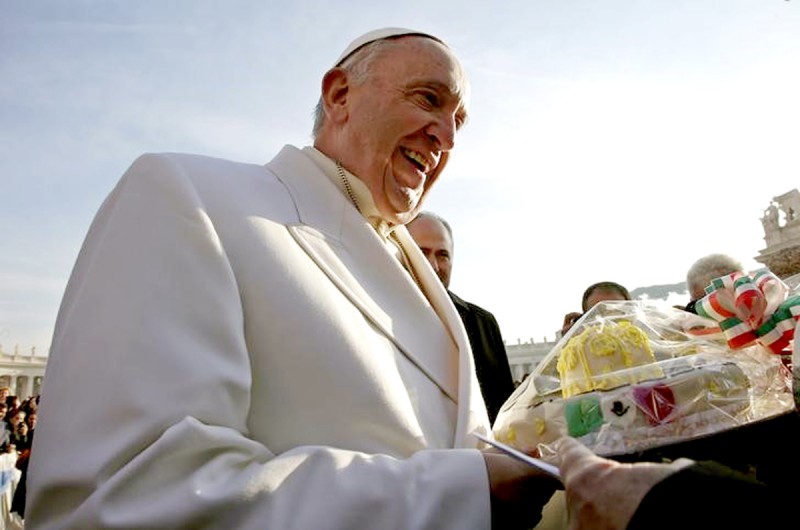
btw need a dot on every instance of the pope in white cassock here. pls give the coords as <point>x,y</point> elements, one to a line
<point>265,345</point>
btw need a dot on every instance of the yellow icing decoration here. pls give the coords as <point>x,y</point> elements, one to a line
<point>540,426</point>
<point>593,359</point>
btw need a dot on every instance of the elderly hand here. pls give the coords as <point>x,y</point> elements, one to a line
<point>602,493</point>
<point>519,491</point>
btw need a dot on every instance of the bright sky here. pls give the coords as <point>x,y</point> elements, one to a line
<point>614,140</point>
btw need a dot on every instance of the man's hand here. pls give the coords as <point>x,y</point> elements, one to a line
<point>518,491</point>
<point>602,493</point>
<point>569,320</point>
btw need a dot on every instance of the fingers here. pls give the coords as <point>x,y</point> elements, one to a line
<point>571,452</point>
<point>518,491</point>
<point>570,319</point>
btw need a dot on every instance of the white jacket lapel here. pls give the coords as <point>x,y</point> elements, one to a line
<point>352,255</point>
<point>472,411</point>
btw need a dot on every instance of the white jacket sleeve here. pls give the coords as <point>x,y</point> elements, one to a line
<point>144,411</point>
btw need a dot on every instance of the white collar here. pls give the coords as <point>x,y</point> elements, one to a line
<point>361,194</point>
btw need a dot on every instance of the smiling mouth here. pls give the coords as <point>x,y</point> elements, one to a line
<point>417,159</point>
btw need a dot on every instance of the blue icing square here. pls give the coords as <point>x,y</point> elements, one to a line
<point>584,415</point>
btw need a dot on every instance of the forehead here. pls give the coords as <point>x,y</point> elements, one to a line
<point>429,232</point>
<point>599,295</point>
<point>415,60</point>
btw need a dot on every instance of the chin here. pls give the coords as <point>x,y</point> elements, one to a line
<point>396,216</point>
<point>402,218</point>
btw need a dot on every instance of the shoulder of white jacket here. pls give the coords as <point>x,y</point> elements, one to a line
<point>191,159</point>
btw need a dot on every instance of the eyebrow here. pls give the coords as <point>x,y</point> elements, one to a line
<point>461,116</point>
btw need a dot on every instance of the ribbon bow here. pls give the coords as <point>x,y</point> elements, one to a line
<point>751,309</point>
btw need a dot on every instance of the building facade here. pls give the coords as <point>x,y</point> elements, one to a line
<point>781,222</point>
<point>524,356</point>
<point>22,372</point>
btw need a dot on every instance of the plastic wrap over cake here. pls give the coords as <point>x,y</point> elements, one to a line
<point>632,376</point>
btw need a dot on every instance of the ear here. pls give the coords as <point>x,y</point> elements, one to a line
<point>335,92</point>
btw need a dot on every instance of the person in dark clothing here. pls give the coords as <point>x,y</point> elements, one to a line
<point>434,237</point>
<point>684,493</point>
<point>20,493</point>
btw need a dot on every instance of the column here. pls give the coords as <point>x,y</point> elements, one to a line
<point>28,387</point>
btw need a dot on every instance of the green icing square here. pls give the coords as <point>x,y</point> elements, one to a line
<point>584,415</point>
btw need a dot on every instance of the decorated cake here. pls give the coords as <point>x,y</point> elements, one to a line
<point>635,375</point>
<point>600,358</point>
<point>691,397</point>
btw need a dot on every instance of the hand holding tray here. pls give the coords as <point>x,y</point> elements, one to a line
<point>546,467</point>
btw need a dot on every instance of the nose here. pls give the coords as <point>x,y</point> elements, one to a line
<point>443,131</point>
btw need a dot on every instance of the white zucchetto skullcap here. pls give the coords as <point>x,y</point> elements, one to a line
<point>380,34</point>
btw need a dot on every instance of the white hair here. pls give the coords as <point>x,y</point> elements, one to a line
<point>708,268</point>
<point>357,66</point>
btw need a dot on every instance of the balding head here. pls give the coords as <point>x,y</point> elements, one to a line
<point>435,239</point>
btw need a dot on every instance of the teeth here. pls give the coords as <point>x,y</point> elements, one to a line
<point>417,158</point>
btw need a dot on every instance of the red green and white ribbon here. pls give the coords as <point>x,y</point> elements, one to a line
<point>752,308</point>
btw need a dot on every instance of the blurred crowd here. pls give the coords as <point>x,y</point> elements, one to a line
<point>16,439</point>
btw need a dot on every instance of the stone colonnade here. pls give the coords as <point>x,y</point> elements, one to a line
<point>22,373</point>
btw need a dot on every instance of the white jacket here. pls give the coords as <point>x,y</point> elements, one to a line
<point>237,349</point>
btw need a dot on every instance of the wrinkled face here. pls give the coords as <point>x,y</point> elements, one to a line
<point>434,241</point>
<point>602,295</point>
<point>401,123</point>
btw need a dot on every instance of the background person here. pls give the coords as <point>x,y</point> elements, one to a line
<point>593,295</point>
<point>703,271</point>
<point>434,236</point>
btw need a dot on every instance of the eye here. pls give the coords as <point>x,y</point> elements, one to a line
<point>430,99</point>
